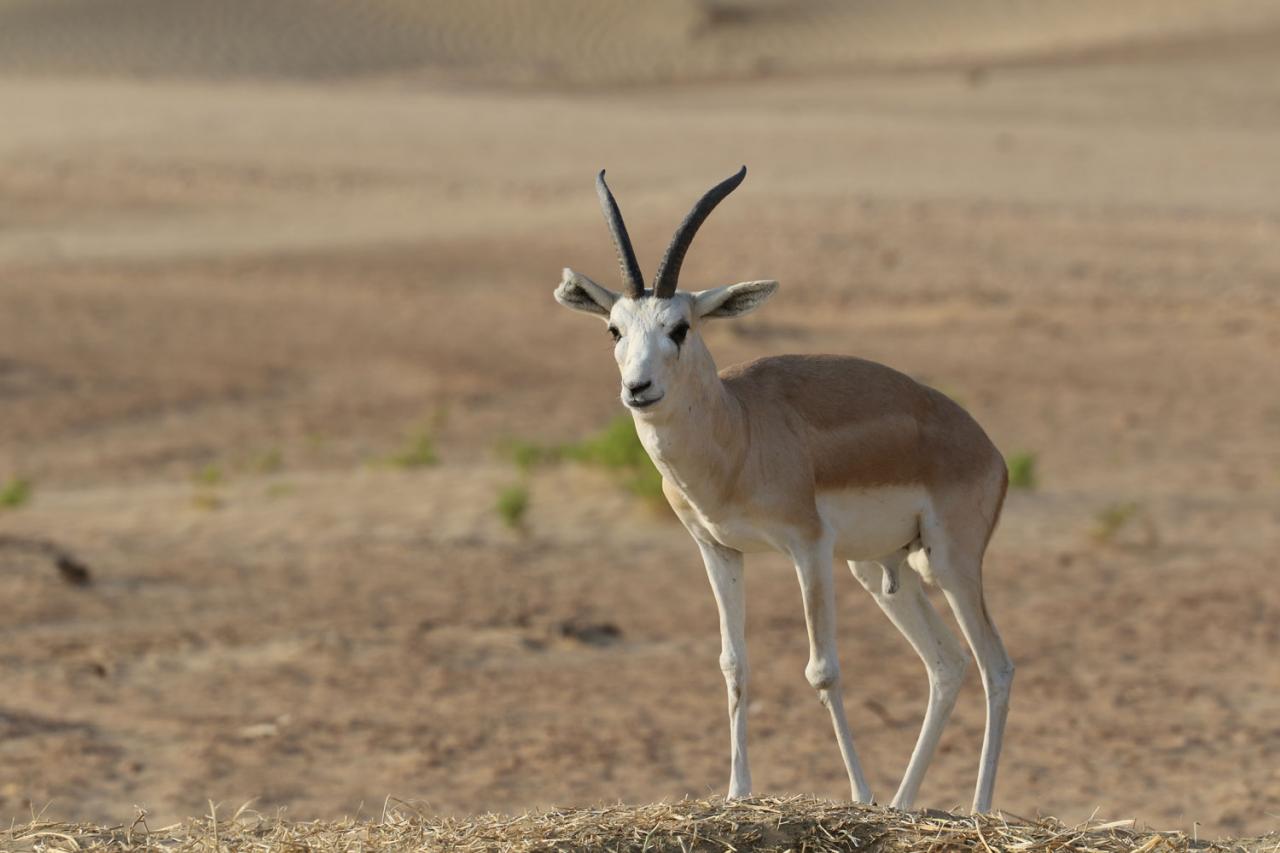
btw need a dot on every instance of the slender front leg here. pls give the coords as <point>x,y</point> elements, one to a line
<point>724,568</point>
<point>813,566</point>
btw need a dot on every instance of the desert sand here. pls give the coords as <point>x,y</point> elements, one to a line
<point>247,255</point>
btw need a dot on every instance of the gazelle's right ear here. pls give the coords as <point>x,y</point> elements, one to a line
<point>733,300</point>
<point>580,293</point>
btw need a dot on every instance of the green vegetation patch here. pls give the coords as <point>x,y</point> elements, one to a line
<point>419,451</point>
<point>526,455</point>
<point>512,505</point>
<point>1022,471</point>
<point>1111,519</point>
<point>15,493</point>
<point>209,476</point>
<point>616,448</point>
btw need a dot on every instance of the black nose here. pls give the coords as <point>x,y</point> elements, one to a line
<point>637,387</point>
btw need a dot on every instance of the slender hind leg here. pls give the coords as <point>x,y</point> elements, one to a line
<point>942,653</point>
<point>997,681</point>
<point>813,567</point>
<point>955,560</point>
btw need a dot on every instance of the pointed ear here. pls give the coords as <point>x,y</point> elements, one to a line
<point>733,300</point>
<point>580,293</point>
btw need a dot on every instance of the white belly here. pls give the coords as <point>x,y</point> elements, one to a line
<point>869,523</point>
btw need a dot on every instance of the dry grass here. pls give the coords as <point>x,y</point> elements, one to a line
<point>793,824</point>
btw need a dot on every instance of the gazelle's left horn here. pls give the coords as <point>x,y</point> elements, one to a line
<point>664,283</point>
<point>632,278</point>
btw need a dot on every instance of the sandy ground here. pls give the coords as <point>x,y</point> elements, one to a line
<point>280,279</point>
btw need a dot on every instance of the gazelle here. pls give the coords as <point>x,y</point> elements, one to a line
<point>818,457</point>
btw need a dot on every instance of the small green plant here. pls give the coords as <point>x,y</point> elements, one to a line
<point>418,452</point>
<point>1111,519</point>
<point>512,505</point>
<point>210,475</point>
<point>526,455</point>
<point>207,480</point>
<point>15,493</point>
<point>269,461</point>
<point>1022,471</point>
<point>617,448</point>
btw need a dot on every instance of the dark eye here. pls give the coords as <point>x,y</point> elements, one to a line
<point>678,333</point>
<point>617,336</point>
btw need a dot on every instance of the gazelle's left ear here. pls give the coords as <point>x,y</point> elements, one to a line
<point>732,300</point>
<point>580,293</point>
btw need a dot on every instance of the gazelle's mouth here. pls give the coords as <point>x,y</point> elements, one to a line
<point>633,403</point>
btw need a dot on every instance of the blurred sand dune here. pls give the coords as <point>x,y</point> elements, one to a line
<point>591,43</point>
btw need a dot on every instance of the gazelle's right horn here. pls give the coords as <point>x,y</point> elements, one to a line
<point>632,279</point>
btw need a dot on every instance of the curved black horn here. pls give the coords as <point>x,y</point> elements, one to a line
<point>632,278</point>
<point>664,283</point>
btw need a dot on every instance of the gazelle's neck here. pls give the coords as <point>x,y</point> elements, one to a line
<point>699,438</point>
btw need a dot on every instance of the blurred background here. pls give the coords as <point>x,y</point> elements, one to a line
<point>311,495</point>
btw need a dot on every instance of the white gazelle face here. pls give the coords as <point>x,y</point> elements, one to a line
<point>650,334</point>
<point>656,341</point>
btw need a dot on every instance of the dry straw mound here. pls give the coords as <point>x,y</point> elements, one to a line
<point>794,824</point>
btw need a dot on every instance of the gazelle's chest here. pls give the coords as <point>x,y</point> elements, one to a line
<point>732,526</point>
<point>693,493</point>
